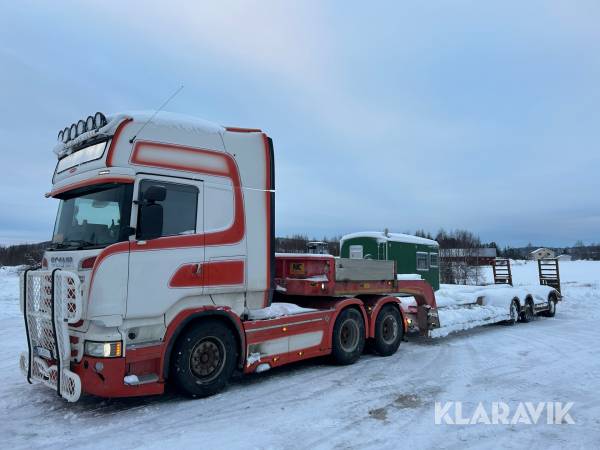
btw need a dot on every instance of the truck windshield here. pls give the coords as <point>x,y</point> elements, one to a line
<point>93,217</point>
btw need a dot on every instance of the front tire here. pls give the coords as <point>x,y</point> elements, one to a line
<point>514,312</point>
<point>204,359</point>
<point>388,331</point>
<point>348,337</point>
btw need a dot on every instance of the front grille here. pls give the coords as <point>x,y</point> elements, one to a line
<point>51,300</point>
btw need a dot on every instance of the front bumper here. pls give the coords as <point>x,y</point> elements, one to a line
<point>105,377</point>
<point>46,372</point>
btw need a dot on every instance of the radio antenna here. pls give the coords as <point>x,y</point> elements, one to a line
<point>165,103</point>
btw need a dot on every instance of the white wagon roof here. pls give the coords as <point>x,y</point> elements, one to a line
<point>391,237</point>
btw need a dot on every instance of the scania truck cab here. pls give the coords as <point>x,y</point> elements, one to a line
<point>156,216</point>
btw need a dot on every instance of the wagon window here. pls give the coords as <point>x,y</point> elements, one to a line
<point>433,260</point>
<point>422,261</point>
<point>356,252</point>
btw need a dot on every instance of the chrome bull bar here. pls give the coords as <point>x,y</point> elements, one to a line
<point>50,301</point>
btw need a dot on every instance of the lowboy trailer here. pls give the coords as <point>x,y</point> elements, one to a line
<point>162,268</point>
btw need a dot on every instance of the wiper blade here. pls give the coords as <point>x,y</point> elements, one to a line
<point>79,243</point>
<point>58,245</point>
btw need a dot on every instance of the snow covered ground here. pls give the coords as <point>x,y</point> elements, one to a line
<point>375,403</point>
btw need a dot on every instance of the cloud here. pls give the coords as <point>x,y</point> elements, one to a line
<point>453,114</point>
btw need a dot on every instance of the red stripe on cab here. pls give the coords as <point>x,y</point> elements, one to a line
<point>214,273</point>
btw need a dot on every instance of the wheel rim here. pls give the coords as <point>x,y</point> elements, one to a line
<point>529,312</point>
<point>389,329</point>
<point>551,306</point>
<point>207,359</point>
<point>349,335</point>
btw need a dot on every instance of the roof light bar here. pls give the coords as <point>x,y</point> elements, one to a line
<point>89,123</point>
<point>92,123</point>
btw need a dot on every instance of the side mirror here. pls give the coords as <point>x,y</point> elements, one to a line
<point>154,193</point>
<point>150,221</point>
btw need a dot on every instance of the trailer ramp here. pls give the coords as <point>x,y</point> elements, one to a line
<point>549,273</point>
<point>502,271</point>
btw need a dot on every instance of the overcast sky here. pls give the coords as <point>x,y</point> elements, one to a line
<point>462,114</point>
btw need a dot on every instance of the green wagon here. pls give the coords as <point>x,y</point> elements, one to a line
<point>413,254</point>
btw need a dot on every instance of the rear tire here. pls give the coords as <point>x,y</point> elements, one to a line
<point>527,315</point>
<point>388,331</point>
<point>551,312</point>
<point>204,359</point>
<point>348,337</point>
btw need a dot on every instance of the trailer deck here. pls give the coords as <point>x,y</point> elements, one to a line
<point>453,308</point>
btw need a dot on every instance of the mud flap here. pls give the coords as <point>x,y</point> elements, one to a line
<point>427,319</point>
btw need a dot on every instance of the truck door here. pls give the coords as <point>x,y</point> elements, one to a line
<point>167,268</point>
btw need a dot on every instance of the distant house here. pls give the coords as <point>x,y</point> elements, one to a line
<point>472,256</point>
<point>541,253</point>
<point>564,257</point>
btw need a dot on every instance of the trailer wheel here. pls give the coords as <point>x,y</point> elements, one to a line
<point>527,315</point>
<point>388,331</point>
<point>204,359</point>
<point>348,337</point>
<point>514,312</point>
<point>551,312</point>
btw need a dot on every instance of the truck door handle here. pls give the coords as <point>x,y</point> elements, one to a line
<point>197,269</point>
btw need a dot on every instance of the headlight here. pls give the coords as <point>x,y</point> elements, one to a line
<point>104,349</point>
<point>99,120</point>
<point>89,123</point>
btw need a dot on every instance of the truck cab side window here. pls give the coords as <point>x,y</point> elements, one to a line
<point>179,207</point>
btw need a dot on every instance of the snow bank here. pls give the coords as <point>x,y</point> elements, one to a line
<point>550,359</point>
<point>460,318</point>
<point>408,276</point>
<point>277,310</point>
<point>303,255</point>
<point>11,270</point>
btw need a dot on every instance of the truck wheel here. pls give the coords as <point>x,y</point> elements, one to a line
<point>551,312</point>
<point>514,313</point>
<point>388,331</point>
<point>527,315</point>
<point>204,359</point>
<point>348,337</point>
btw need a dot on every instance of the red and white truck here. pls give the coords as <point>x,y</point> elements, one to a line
<point>162,268</point>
